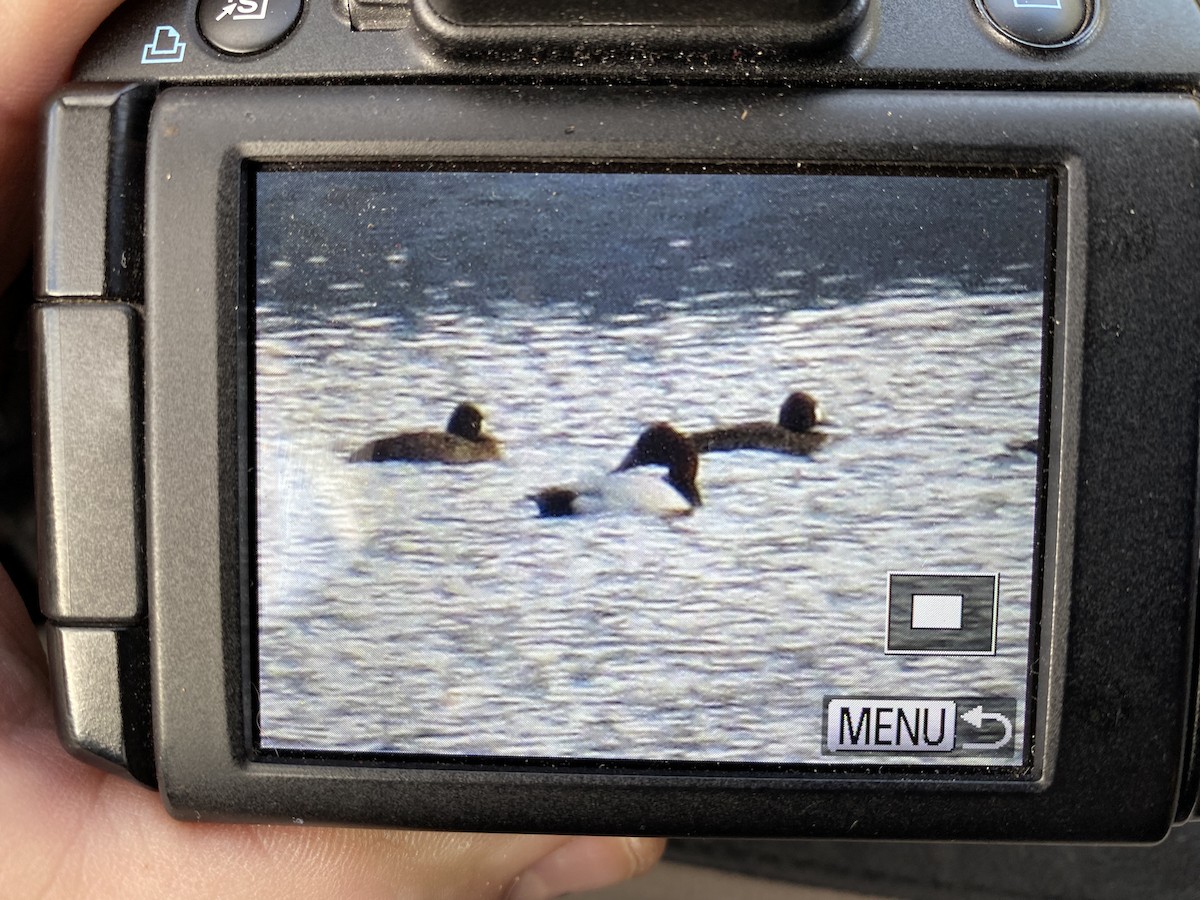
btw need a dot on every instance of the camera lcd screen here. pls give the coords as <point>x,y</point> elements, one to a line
<point>699,465</point>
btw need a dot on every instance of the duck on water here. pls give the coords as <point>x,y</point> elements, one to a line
<point>634,491</point>
<point>795,433</point>
<point>463,441</point>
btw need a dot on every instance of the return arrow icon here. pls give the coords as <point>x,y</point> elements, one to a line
<point>976,717</point>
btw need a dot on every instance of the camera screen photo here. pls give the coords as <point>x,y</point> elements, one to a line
<point>707,465</point>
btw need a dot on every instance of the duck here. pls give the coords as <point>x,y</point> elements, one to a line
<point>793,434</point>
<point>624,489</point>
<point>463,441</point>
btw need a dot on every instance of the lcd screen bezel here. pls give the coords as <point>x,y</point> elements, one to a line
<point>847,765</point>
<point>200,651</point>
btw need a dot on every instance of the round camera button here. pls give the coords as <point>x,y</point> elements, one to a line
<point>247,26</point>
<point>1038,23</point>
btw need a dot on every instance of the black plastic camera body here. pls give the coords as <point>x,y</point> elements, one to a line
<point>181,172</point>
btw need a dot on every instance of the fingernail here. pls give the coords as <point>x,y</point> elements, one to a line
<point>581,864</point>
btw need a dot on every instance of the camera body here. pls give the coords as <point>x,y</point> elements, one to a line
<point>966,610</point>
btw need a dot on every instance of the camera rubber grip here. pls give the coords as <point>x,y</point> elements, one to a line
<point>89,494</point>
<point>92,189</point>
<point>88,473</point>
<point>101,685</point>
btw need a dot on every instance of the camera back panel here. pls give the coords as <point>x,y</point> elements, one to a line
<point>975,581</point>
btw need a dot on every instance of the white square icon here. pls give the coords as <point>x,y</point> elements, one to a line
<point>941,611</point>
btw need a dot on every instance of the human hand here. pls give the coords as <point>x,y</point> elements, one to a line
<point>70,830</point>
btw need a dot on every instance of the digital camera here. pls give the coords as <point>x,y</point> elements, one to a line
<point>769,419</point>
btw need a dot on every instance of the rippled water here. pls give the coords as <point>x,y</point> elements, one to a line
<point>425,608</point>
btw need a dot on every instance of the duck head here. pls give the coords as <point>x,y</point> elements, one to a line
<point>800,412</point>
<point>466,421</point>
<point>662,445</point>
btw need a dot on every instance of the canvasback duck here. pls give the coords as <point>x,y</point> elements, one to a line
<point>633,491</point>
<point>463,441</point>
<point>794,433</point>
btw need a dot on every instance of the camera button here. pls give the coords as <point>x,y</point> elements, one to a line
<point>1038,23</point>
<point>247,26</point>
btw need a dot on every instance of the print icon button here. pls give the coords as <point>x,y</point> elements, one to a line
<point>934,613</point>
<point>247,26</point>
<point>166,47</point>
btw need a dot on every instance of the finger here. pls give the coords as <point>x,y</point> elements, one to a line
<point>89,828</point>
<point>38,44</point>
<point>24,689</point>
<point>585,864</point>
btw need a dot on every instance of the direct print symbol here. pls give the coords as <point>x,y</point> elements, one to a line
<point>167,47</point>
<point>244,9</point>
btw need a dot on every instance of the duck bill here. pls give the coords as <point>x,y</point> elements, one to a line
<point>629,462</point>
